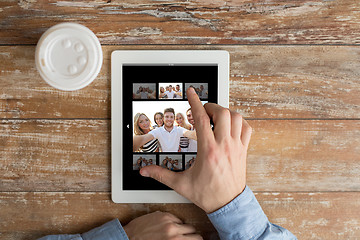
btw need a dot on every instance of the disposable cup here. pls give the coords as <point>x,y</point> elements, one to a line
<point>68,56</point>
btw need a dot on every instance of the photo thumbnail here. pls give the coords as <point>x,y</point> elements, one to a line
<point>171,162</point>
<point>170,91</point>
<point>201,89</point>
<point>142,160</point>
<point>189,160</point>
<point>144,90</point>
<point>163,127</point>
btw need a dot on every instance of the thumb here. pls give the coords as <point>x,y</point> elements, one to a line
<point>160,174</point>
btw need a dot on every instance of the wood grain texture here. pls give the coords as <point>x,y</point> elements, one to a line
<point>65,155</point>
<point>24,94</point>
<point>74,155</point>
<point>33,215</point>
<point>55,145</point>
<point>188,22</point>
<point>265,82</point>
<point>307,215</point>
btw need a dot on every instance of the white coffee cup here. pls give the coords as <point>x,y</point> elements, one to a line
<point>68,56</point>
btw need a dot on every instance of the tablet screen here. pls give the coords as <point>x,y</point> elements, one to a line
<point>158,121</point>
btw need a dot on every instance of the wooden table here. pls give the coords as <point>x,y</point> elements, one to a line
<point>295,70</point>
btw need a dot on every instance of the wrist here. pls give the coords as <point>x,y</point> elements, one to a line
<point>127,230</point>
<point>219,201</point>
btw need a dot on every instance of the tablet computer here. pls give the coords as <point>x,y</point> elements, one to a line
<point>151,119</point>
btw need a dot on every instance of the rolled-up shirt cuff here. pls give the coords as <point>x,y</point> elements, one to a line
<point>110,231</point>
<point>242,218</point>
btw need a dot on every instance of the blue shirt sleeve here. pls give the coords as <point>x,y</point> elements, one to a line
<point>243,218</point>
<point>110,231</point>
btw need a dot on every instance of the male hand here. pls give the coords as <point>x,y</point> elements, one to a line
<point>160,226</point>
<point>219,172</point>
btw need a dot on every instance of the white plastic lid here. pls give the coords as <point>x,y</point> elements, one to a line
<point>68,56</point>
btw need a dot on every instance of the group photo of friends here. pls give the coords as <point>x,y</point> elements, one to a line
<point>140,161</point>
<point>170,91</point>
<point>166,91</point>
<point>144,91</point>
<point>171,162</point>
<point>163,127</point>
<point>201,89</point>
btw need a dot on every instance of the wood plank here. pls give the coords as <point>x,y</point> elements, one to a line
<point>330,215</point>
<point>188,22</point>
<point>307,215</point>
<point>65,155</point>
<point>304,156</point>
<point>295,81</point>
<point>37,214</point>
<point>74,155</point>
<point>265,82</point>
<point>24,94</point>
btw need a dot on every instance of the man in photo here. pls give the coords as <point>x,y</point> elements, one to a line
<point>192,142</point>
<point>171,94</point>
<point>144,93</point>
<point>176,165</point>
<point>168,135</point>
<point>169,163</point>
<point>144,163</point>
<point>178,92</point>
<point>203,93</point>
<point>173,165</point>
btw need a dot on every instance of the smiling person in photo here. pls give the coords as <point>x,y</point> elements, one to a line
<point>142,126</point>
<point>168,135</point>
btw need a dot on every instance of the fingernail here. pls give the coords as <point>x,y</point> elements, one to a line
<point>191,89</point>
<point>144,173</point>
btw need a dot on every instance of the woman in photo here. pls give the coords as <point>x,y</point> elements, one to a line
<point>142,125</point>
<point>159,119</point>
<point>137,165</point>
<point>181,121</point>
<point>190,163</point>
<point>162,93</point>
<point>164,163</point>
<point>184,141</point>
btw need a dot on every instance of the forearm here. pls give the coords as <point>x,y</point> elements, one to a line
<point>243,218</point>
<point>140,140</point>
<point>110,231</point>
<point>136,143</point>
<point>191,135</point>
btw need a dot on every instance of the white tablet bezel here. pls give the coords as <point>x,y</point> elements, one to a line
<point>171,57</point>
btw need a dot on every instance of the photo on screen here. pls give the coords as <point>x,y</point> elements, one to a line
<point>202,89</point>
<point>171,162</point>
<point>171,91</point>
<point>189,160</point>
<point>148,113</point>
<point>144,90</point>
<point>143,160</point>
<point>176,134</point>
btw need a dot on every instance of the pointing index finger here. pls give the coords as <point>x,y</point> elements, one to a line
<point>202,120</point>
